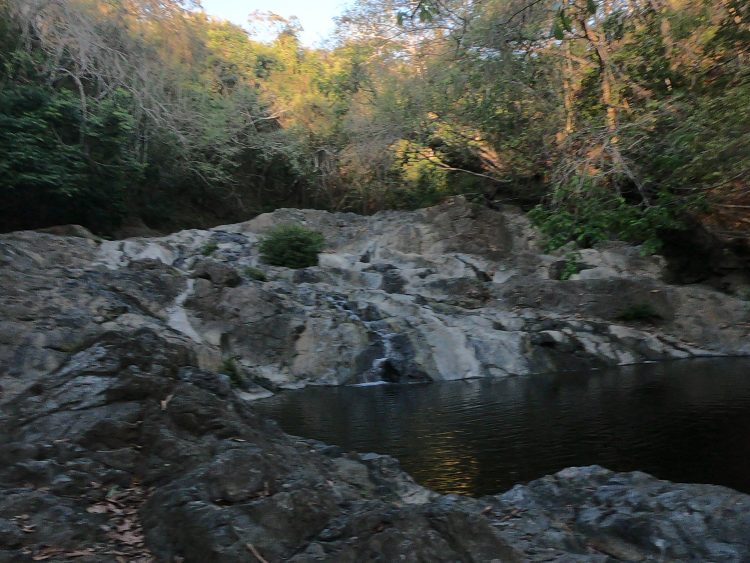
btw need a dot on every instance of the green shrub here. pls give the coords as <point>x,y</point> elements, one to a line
<point>642,312</point>
<point>572,266</point>
<point>209,248</point>
<point>255,274</point>
<point>595,214</point>
<point>291,246</point>
<point>229,367</point>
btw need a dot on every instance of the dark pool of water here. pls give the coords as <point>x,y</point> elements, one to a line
<point>685,421</point>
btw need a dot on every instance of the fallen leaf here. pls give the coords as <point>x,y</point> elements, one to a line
<point>80,553</point>
<point>165,401</point>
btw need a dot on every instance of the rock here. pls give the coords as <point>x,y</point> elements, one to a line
<point>453,291</point>
<point>619,259</point>
<point>702,253</point>
<point>130,412</point>
<point>600,515</point>
<point>129,448</point>
<point>219,274</point>
<point>69,231</point>
<point>118,436</point>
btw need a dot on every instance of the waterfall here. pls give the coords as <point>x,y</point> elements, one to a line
<point>378,330</point>
<point>374,375</point>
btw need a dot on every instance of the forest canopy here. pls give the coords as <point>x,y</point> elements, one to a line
<point>606,118</point>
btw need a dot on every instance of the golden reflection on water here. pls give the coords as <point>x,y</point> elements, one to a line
<point>452,468</point>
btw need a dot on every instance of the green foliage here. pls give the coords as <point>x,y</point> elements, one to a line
<point>420,179</point>
<point>177,122</point>
<point>704,144</point>
<point>35,158</point>
<point>209,248</point>
<point>572,266</point>
<point>622,125</point>
<point>639,312</point>
<point>229,367</point>
<point>255,273</point>
<point>292,246</point>
<point>59,165</point>
<point>593,214</point>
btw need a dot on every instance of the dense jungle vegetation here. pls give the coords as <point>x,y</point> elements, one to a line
<point>606,118</point>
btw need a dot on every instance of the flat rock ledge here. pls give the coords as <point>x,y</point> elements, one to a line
<point>129,452</point>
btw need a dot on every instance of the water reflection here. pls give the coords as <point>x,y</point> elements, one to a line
<point>684,421</point>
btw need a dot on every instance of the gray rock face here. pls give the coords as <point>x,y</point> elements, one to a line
<point>624,517</point>
<point>449,292</point>
<point>128,450</point>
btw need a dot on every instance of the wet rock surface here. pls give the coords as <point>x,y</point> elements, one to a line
<point>450,292</point>
<point>130,452</point>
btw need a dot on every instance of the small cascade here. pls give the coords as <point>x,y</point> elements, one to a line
<point>376,374</point>
<point>381,366</point>
<point>369,383</point>
<point>177,317</point>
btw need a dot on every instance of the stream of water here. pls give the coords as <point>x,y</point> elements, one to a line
<point>686,421</point>
<point>380,334</point>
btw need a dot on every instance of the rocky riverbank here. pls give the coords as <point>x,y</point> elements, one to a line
<point>129,452</point>
<point>450,292</point>
<point>120,439</point>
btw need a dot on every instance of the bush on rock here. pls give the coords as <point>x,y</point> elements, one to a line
<point>292,246</point>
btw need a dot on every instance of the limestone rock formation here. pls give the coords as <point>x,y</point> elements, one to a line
<point>454,291</point>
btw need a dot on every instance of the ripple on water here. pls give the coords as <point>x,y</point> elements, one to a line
<point>683,421</point>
